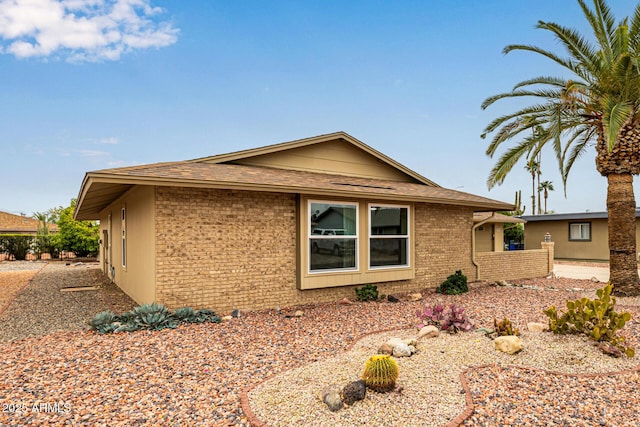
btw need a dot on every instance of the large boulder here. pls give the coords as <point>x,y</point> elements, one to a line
<point>509,344</point>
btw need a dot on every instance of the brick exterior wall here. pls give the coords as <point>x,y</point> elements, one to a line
<point>516,264</point>
<point>227,249</point>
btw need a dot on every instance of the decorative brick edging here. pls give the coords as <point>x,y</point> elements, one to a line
<point>244,395</point>
<point>457,421</point>
<point>19,291</point>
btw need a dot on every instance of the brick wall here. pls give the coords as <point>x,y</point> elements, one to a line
<point>226,249</point>
<point>516,264</point>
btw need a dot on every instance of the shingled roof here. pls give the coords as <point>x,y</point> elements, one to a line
<point>100,188</point>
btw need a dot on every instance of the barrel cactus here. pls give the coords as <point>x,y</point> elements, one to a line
<point>380,373</point>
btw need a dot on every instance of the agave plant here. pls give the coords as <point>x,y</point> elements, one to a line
<point>206,315</point>
<point>186,315</point>
<point>104,322</point>
<point>154,316</point>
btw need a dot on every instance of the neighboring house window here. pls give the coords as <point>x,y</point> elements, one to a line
<point>580,231</point>
<point>123,217</point>
<point>333,236</point>
<point>388,236</point>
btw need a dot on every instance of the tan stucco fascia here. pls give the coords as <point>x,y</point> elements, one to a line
<point>270,149</point>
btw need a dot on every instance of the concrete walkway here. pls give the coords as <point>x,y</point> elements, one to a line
<point>575,271</point>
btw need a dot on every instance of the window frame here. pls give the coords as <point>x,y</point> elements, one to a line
<point>581,223</point>
<point>311,237</point>
<point>371,236</point>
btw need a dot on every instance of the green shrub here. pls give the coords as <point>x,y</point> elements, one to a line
<point>16,245</point>
<point>454,285</point>
<point>367,293</point>
<point>595,318</point>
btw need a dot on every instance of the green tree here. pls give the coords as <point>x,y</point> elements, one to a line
<point>600,103</point>
<point>79,237</point>
<point>546,186</point>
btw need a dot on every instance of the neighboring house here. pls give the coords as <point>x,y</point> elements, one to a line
<point>579,236</point>
<point>20,224</point>
<point>489,230</point>
<point>245,229</point>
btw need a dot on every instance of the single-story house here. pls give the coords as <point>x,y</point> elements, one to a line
<point>293,223</point>
<point>20,224</point>
<point>578,236</point>
<point>489,230</point>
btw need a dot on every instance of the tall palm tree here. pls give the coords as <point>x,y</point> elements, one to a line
<point>599,106</point>
<point>532,167</point>
<point>545,186</point>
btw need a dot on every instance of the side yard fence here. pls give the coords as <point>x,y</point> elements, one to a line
<point>515,264</point>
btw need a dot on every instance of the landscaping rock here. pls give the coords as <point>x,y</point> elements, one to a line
<point>236,313</point>
<point>610,349</point>
<point>415,297</point>
<point>345,301</point>
<point>330,395</point>
<point>410,342</point>
<point>402,350</point>
<point>392,298</point>
<point>537,327</point>
<point>298,313</point>
<point>227,318</point>
<point>509,344</point>
<point>429,331</point>
<point>385,349</point>
<point>353,392</point>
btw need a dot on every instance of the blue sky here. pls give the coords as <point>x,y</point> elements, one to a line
<point>94,84</point>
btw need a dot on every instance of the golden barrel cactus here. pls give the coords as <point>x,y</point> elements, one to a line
<point>380,373</point>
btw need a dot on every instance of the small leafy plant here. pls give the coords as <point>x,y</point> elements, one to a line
<point>367,293</point>
<point>595,318</point>
<point>504,327</point>
<point>380,373</point>
<point>450,319</point>
<point>454,285</point>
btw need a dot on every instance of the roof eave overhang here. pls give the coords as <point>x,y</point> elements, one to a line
<point>128,181</point>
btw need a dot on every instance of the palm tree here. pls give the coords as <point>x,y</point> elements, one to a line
<point>545,186</point>
<point>532,167</point>
<point>599,106</point>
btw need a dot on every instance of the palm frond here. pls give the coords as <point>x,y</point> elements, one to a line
<point>542,80</point>
<point>615,115</point>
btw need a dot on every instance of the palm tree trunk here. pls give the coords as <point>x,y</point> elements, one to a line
<point>621,208</point>
<point>546,194</point>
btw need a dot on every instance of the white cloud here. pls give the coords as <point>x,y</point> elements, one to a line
<point>112,140</point>
<point>93,153</point>
<point>81,30</point>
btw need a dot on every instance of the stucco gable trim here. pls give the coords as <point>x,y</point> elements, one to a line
<point>291,145</point>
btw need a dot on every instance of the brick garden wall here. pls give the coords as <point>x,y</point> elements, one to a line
<point>516,264</point>
<point>227,249</point>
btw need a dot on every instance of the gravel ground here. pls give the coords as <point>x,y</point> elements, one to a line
<point>194,375</point>
<point>41,308</point>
